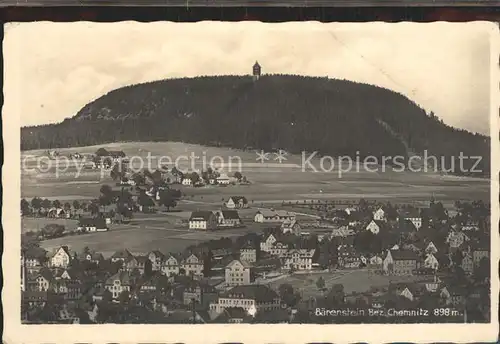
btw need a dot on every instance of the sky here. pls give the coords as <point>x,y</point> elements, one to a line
<point>53,69</point>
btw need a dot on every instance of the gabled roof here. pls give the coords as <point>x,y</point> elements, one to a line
<point>403,255</point>
<point>122,254</point>
<point>410,213</point>
<point>273,213</point>
<point>230,214</point>
<point>203,215</point>
<point>122,276</point>
<point>98,222</point>
<point>406,226</point>
<point>236,199</point>
<point>157,254</point>
<point>257,292</point>
<point>45,273</point>
<point>236,261</point>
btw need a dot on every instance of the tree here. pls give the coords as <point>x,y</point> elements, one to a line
<point>67,207</point>
<point>106,190</point>
<point>76,205</point>
<point>93,207</point>
<point>167,200</point>
<point>320,283</point>
<point>124,297</point>
<point>195,177</point>
<point>104,201</point>
<point>336,295</point>
<point>56,204</point>
<point>45,204</point>
<point>238,175</point>
<point>36,203</point>
<point>25,207</point>
<point>52,230</point>
<point>138,179</point>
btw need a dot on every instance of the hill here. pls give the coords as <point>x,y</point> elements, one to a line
<point>295,113</point>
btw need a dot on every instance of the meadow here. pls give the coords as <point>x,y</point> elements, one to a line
<point>271,183</point>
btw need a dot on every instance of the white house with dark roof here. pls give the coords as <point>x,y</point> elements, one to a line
<point>414,216</point>
<point>267,244</point>
<point>298,259</point>
<point>238,272</point>
<point>291,226</point>
<point>375,226</point>
<point>379,214</point>
<point>118,283</point>
<point>228,218</point>
<point>204,220</point>
<point>236,202</point>
<point>273,216</point>
<point>171,265</point>
<point>61,258</point>
<point>252,298</point>
<point>92,225</point>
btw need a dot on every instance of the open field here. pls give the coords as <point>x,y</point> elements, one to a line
<point>270,185</point>
<point>358,280</point>
<point>269,182</point>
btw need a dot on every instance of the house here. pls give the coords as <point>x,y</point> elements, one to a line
<point>233,315</point>
<point>156,258</point>
<point>248,253</point>
<point>171,265</point>
<point>43,280</point>
<point>272,216</point>
<point>228,218</point>
<point>58,213</point>
<point>412,215</point>
<point>470,226</point>
<point>268,243</point>
<point>431,248</point>
<point>431,262</point>
<point>468,264</point>
<point>192,265</point>
<point>238,273</point>
<point>92,225</point>
<point>290,226</point>
<point>198,292</point>
<point>205,220</point>
<point>375,226</point>
<point>236,202</point>
<point>406,227</point>
<point>187,181</point>
<point>413,292</point>
<point>375,261</point>
<point>298,259</point>
<point>379,214</point>
<point>118,283</point>
<point>122,255</point>
<point>252,298</point>
<point>479,253</point>
<point>454,295</point>
<point>92,257</point>
<point>455,239</point>
<point>223,179</point>
<point>400,262</point>
<point>61,258</point>
<point>348,257</point>
<point>279,248</point>
<point>32,259</point>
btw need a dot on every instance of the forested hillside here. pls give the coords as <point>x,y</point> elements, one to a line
<point>334,117</point>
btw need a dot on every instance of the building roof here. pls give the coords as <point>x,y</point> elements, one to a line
<point>203,215</point>
<point>403,255</point>
<point>122,254</point>
<point>273,213</point>
<point>410,213</point>
<point>122,276</point>
<point>230,214</point>
<point>235,261</point>
<point>236,199</point>
<point>406,226</point>
<point>98,222</point>
<point>257,292</point>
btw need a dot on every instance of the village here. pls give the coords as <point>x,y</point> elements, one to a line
<point>253,262</point>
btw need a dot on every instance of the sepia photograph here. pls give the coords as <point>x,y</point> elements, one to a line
<point>248,173</point>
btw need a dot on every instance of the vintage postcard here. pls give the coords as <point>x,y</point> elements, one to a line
<point>250,182</point>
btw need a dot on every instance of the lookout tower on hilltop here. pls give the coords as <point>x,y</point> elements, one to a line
<point>256,71</point>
